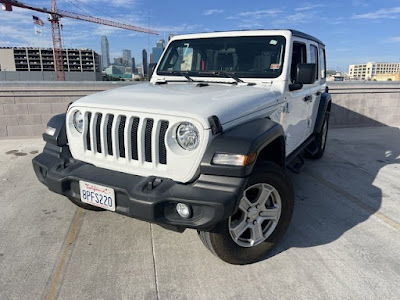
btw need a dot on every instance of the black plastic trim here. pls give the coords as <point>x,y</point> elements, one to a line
<point>243,139</point>
<point>322,111</point>
<point>215,125</point>
<point>60,136</point>
<point>212,198</point>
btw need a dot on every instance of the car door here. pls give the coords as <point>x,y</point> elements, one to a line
<point>297,111</point>
<point>315,89</point>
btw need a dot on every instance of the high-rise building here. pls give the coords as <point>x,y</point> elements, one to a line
<point>145,64</point>
<point>105,52</point>
<point>369,70</point>
<point>118,61</point>
<point>157,51</point>
<point>126,58</point>
<point>133,63</point>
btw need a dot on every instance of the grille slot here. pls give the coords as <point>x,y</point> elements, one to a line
<point>88,144</point>
<point>134,134</point>
<point>125,138</point>
<point>98,138</point>
<point>147,139</point>
<point>121,140</point>
<point>109,137</point>
<point>161,143</point>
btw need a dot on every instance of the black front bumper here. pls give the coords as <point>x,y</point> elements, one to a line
<point>212,198</point>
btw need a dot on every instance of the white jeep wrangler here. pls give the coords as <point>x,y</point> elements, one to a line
<point>205,144</point>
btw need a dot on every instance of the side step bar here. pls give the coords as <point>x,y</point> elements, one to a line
<point>295,161</point>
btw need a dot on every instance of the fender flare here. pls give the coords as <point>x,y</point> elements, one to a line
<point>244,139</point>
<point>323,109</point>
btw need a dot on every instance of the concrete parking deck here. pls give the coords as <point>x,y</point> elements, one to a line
<point>343,241</point>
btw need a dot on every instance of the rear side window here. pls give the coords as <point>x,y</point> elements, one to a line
<point>299,56</point>
<point>322,56</point>
<point>314,58</point>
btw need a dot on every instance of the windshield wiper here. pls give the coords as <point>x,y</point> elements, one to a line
<point>181,73</point>
<point>230,75</point>
<point>186,75</point>
<point>234,77</point>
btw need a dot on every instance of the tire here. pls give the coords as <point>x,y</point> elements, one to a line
<point>266,178</point>
<point>320,140</point>
<point>85,205</point>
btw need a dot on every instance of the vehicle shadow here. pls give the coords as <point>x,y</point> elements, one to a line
<point>337,192</point>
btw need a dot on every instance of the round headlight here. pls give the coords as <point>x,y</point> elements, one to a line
<point>187,136</point>
<point>78,121</point>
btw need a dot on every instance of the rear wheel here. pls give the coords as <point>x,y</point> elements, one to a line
<point>262,218</point>
<point>321,139</point>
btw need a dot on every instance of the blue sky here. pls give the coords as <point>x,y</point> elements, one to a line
<point>354,31</point>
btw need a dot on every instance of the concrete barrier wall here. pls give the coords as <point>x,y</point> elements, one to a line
<point>357,104</point>
<point>26,107</point>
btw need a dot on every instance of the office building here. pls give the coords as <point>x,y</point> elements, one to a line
<point>387,77</point>
<point>368,70</point>
<point>133,63</point>
<point>157,51</point>
<point>105,52</point>
<point>145,64</point>
<point>126,58</point>
<point>118,61</point>
<point>30,63</point>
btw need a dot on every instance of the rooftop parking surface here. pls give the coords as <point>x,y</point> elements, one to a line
<point>343,241</point>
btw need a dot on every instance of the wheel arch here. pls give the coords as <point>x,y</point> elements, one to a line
<point>274,151</point>
<point>261,136</point>
<point>324,108</point>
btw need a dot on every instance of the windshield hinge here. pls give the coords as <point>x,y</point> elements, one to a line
<point>215,125</point>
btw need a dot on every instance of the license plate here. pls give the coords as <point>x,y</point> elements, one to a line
<point>97,195</point>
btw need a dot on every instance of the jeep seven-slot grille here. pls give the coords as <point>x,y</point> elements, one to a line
<point>131,138</point>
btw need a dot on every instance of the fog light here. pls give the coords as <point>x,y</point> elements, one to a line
<point>183,210</point>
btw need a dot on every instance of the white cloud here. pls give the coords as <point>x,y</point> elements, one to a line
<point>177,28</point>
<point>257,14</point>
<point>308,6</point>
<point>395,39</point>
<point>115,3</point>
<point>384,13</point>
<point>212,12</point>
<point>295,19</point>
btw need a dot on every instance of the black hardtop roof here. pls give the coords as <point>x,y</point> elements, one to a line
<point>294,32</point>
<point>305,36</point>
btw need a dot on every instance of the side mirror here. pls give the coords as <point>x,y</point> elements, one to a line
<point>305,75</point>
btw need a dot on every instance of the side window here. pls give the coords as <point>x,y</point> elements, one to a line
<point>314,59</point>
<point>299,56</point>
<point>322,56</point>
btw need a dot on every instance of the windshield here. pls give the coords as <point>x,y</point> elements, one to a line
<point>247,57</point>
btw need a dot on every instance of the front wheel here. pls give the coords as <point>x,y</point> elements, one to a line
<point>261,220</point>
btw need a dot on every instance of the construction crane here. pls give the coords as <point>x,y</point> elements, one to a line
<point>54,15</point>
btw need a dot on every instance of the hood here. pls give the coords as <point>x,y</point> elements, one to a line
<point>226,101</point>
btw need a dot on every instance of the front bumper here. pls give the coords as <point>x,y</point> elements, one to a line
<point>212,198</point>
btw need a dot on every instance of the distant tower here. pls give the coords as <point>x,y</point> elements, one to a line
<point>157,51</point>
<point>145,65</point>
<point>127,58</point>
<point>133,65</point>
<point>105,52</point>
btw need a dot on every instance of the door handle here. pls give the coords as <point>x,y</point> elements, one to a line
<point>307,98</point>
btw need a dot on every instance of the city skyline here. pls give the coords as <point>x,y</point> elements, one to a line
<point>354,31</point>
